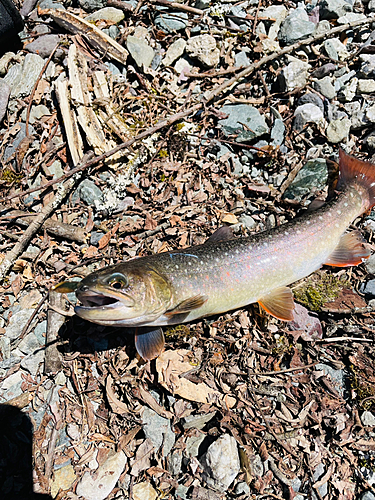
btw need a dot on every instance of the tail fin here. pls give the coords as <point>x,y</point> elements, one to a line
<point>360,173</point>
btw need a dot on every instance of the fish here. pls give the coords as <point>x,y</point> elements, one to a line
<point>227,273</point>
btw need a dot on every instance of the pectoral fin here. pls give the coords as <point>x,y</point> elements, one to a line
<point>222,234</point>
<point>350,251</point>
<point>279,303</point>
<point>149,342</point>
<point>188,305</point>
<point>65,287</point>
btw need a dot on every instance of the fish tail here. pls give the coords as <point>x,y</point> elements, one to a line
<point>359,173</point>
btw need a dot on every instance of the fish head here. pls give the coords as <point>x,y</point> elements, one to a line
<point>126,294</point>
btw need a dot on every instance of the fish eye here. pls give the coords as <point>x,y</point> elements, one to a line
<point>118,281</point>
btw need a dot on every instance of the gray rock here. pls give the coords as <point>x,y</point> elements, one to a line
<point>8,363</point>
<point>175,50</point>
<point>324,70</point>
<point>203,48</point>
<point>22,77</point>
<point>107,14</point>
<point>371,6</point>
<point>140,51</point>
<point>36,113</point>
<point>318,474</point>
<point>366,86</point>
<point>312,176</point>
<point>294,75</point>
<point>337,376</point>
<point>29,344</point>
<point>370,262</point>
<point>92,5</point>
<point>89,192</point>
<point>256,466</point>
<point>350,17</point>
<point>5,347</point>
<point>56,170</point>
<point>247,221</point>
<point>197,421</point>
<point>221,463</point>
<point>242,489</point>
<point>246,114</point>
<point>338,130</point>
<point>170,22</point>
<point>158,429</point>
<point>101,483</point>
<point>277,132</point>
<point>9,150</point>
<point>181,492</point>
<point>368,288</point>
<point>193,443</point>
<point>325,87</point>
<point>113,31</point>
<point>40,331</point>
<point>312,98</point>
<point>335,49</point>
<point>296,27</point>
<point>368,419</point>
<point>44,45</point>
<point>95,237</point>
<point>241,59</point>
<point>333,9</point>
<point>50,4</point>
<point>368,495</point>
<point>4,98</point>
<point>32,362</point>
<point>307,113</point>
<point>17,323</point>
<point>367,65</point>
<point>174,461</point>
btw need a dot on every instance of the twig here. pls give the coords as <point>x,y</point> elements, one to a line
<point>343,339</point>
<point>118,4</point>
<point>288,370</point>
<point>256,17</point>
<point>34,227</point>
<point>35,87</point>
<point>183,114</point>
<point>180,6</point>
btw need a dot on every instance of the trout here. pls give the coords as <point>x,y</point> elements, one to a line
<point>227,273</point>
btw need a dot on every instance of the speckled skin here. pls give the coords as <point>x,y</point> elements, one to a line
<point>229,274</point>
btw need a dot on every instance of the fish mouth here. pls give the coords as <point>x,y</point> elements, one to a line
<point>96,300</point>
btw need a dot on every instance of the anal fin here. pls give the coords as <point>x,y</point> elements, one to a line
<point>279,303</point>
<point>350,251</point>
<point>149,342</point>
<point>188,305</point>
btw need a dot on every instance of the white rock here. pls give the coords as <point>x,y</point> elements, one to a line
<point>295,74</point>
<point>278,12</point>
<point>221,463</point>
<point>107,14</point>
<point>366,86</point>
<point>144,491</point>
<point>310,113</point>
<point>338,130</point>
<point>340,48</point>
<point>99,485</point>
<point>174,52</point>
<point>368,419</point>
<point>203,48</point>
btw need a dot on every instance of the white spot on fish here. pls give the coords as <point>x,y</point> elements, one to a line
<point>308,222</point>
<point>329,214</point>
<point>351,195</point>
<point>345,204</point>
<point>320,217</point>
<point>337,225</point>
<point>372,184</point>
<point>339,212</point>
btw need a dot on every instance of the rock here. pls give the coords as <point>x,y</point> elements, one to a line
<point>256,466</point>
<point>239,114</point>
<point>350,17</point>
<point>294,75</point>
<point>277,132</point>
<point>304,321</point>
<point>44,45</point>
<point>89,192</point>
<point>296,27</point>
<point>175,50</point>
<point>4,98</point>
<point>337,376</point>
<point>193,443</point>
<point>8,363</point>
<point>368,419</point>
<point>368,495</point>
<point>277,13</point>
<point>22,77</point>
<point>318,474</point>
<point>367,65</point>
<point>221,463</point>
<point>11,148</point>
<point>99,485</point>
<point>36,113</point>
<point>324,70</point>
<point>63,479</point>
<point>242,489</point>
<point>158,429</point>
<point>50,4</point>
<point>5,347</point>
<point>366,86</point>
<point>92,5</point>
<point>312,98</point>
<point>333,9</point>
<point>181,491</point>
<point>30,343</point>
<point>371,6</point>
<point>335,49</point>
<point>174,461</point>
<point>32,362</point>
<point>312,176</point>
<point>144,491</point>
<point>241,59</point>
<point>56,170</point>
<point>197,421</point>
<point>203,48</point>
<point>17,323</point>
<point>140,51</point>
<point>370,262</point>
<point>338,130</point>
<point>247,221</point>
<point>325,87</point>
<point>348,92</point>
<point>182,65</point>
<point>368,288</point>
<point>307,113</point>
<point>107,14</point>
<point>7,59</point>
<point>173,21</point>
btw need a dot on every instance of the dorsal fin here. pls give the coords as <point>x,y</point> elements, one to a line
<point>224,233</point>
<point>350,251</point>
<point>279,303</point>
<point>188,305</point>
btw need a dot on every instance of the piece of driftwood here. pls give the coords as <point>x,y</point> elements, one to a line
<point>96,37</point>
<point>53,227</point>
<point>55,320</point>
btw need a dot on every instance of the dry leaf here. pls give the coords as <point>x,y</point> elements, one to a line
<point>230,219</point>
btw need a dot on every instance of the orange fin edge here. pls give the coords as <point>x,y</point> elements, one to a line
<point>350,251</point>
<point>279,303</point>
